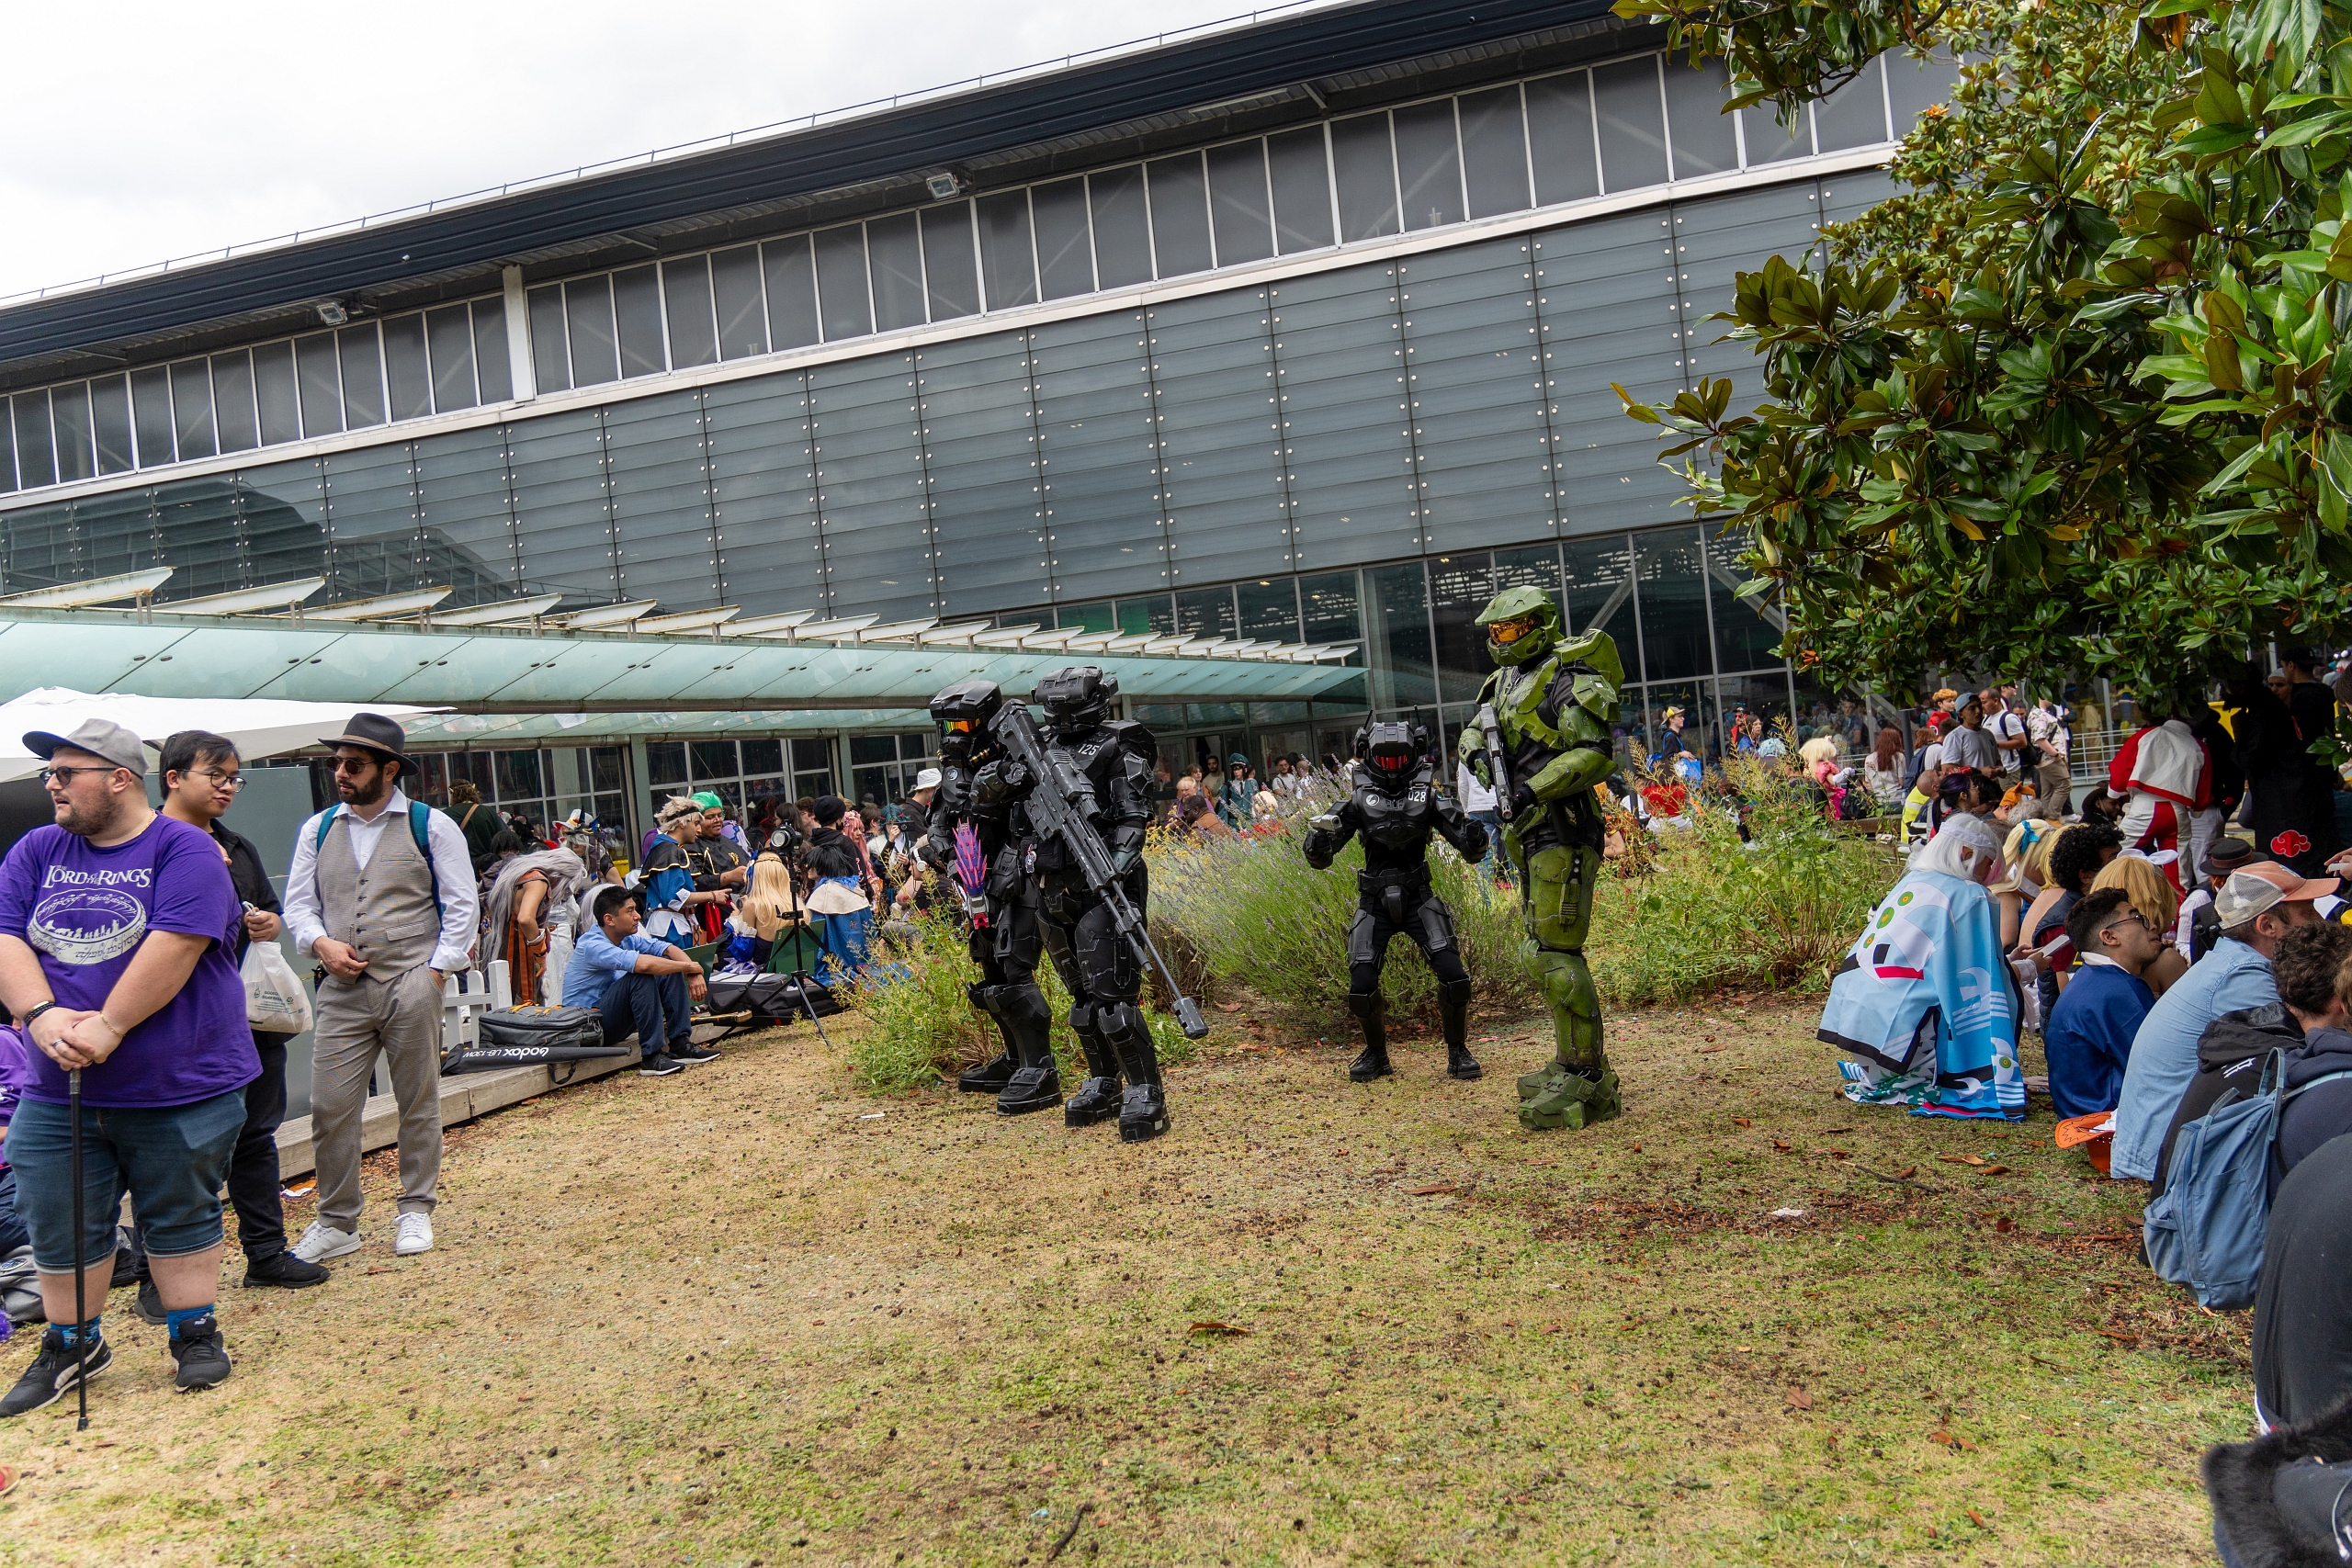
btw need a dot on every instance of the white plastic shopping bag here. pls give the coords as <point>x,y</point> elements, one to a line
<point>275,1001</point>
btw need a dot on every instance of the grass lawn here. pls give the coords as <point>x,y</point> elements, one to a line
<point>749,1315</point>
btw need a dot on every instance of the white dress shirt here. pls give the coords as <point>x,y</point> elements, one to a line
<point>1476,796</point>
<point>461,903</point>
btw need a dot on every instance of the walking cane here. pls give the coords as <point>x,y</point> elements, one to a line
<point>81,1308</point>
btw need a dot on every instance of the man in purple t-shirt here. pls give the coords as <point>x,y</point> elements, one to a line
<point>116,927</point>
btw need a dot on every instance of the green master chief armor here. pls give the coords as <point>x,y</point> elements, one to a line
<point>1553,702</point>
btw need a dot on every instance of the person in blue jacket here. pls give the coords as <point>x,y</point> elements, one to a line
<point>2088,1038</point>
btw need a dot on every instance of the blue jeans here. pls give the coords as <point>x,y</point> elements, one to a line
<point>652,1006</point>
<point>172,1160</point>
<point>1493,822</point>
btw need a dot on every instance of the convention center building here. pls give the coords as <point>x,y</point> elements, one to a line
<point>1269,350</point>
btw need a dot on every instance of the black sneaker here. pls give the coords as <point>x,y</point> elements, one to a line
<point>659,1066</point>
<point>203,1360</point>
<point>1371,1065</point>
<point>53,1374</point>
<point>692,1054</point>
<point>150,1304</point>
<point>286,1271</point>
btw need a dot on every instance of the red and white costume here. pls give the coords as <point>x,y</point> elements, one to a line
<point>2167,776</point>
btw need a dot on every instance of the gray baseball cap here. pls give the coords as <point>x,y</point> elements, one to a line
<point>99,737</point>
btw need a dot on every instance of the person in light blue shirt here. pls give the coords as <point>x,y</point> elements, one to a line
<point>642,985</point>
<point>2257,905</point>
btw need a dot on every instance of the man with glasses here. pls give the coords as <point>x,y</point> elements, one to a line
<point>381,893</point>
<point>2088,1035</point>
<point>115,929</point>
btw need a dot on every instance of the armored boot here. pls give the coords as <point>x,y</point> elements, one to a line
<point>1036,1083</point>
<point>1097,1099</point>
<point>990,1076</point>
<point>1577,1090</point>
<point>1564,1097</point>
<point>1373,1061</point>
<point>1454,1008</point>
<point>1143,1110</point>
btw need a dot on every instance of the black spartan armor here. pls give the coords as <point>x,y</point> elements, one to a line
<point>1101,970</point>
<point>1392,807</point>
<point>1002,918</point>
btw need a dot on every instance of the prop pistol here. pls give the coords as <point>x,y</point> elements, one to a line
<point>1061,802</point>
<point>1491,741</point>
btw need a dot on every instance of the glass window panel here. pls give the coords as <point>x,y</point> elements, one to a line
<point>1156,614</point>
<point>761,757</point>
<point>792,292</point>
<point>320,382</point>
<point>896,250</point>
<point>517,777</point>
<point>36,453</point>
<point>951,267</point>
<point>735,286</point>
<point>1206,612</point>
<point>192,406</point>
<point>550,356</point>
<point>637,315</point>
<point>197,530</point>
<point>1846,196</point>
<point>1399,627</point>
<point>662,501</point>
<point>588,318</point>
<point>1626,98</point>
<point>1104,522</point>
<point>1605,294</point>
<point>281,512</point>
<point>111,423</point>
<point>1460,586</point>
<point>1301,170</point>
<point>1673,596</point>
<point>1333,609</point>
<point>666,762</point>
<point>714,760</point>
<point>867,750</point>
<point>276,397</point>
<point>232,393</point>
<point>1601,593</point>
<point>606,766</point>
<point>1094,617</point>
<point>116,533</point>
<point>1705,140</point>
<point>151,415</point>
<point>466,534</point>
<point>1536,565</point>
<point>870,490</point>
<point>8,477</point>
<point>980,443</point>
<point>371,521</point>
<point>1747,630</point>
<point>1221,462</point>
<point>1365,168</point>
<point>1769,142</point>
<point>1065,249</point>
<point>1269,609</point>
<point>1913,85</point>
<point>694,331</point>
<point>562,514</point>
<point>1477,405</point>
<point>1559,134</point>
<point>1238,202</point>
<point>40,544</point>
<point>1122,230</point>
<point>494,362</point>
<point>407,370</point>
<point>1493,151</point>
<point>363,382</point>
<point>842,295</point>
<point>1855,115</point>
<point>1339,363</point>
<point>1179,215</point>
<point>1715,241</point>
<point>68,416</point>
<point>1428,164</point>
<point>762,494</point>
<point>1008,265</point>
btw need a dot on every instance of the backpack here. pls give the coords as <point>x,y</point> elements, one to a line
<point>1914,767</point>
<point>420,828</point>
<point>2205,1230</point>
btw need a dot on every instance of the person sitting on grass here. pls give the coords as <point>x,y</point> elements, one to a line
<point>2088,1036</point>
<point>642,985</point>
<point>2152,894</point>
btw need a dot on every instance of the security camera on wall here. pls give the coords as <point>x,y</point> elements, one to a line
<point>945,186</point>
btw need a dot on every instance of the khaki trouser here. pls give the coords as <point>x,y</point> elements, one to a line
<point>355,1018</point>
<point>2054,788</point>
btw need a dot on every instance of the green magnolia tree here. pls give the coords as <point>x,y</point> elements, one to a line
<point>2071,403</point>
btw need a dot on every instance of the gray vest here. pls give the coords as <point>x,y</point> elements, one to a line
<point>386,910</point>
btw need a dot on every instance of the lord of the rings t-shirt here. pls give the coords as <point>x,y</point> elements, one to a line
<point>84,910</point>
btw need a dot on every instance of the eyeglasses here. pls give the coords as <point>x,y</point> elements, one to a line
<point>65,777</point>
<point>227,783</point>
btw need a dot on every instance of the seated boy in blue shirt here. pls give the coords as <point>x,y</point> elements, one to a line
<point>642,985</point>
<point>2088,1035</point>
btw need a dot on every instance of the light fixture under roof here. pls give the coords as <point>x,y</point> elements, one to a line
<point>92,591</point>
<point>245,601</point>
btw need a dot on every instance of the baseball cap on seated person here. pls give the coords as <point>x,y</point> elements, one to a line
<point>100,738</point>
<point>2259,888</point>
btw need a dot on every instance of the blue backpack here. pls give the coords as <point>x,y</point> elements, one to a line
<point>420,828</point>
<point>2205,1230</point>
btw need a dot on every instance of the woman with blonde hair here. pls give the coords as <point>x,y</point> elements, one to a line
<point>770,906</point>
<point>2154,900</point>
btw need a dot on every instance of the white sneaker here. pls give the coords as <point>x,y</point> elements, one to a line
<point>413,1235</point>
<point>322,1241</point>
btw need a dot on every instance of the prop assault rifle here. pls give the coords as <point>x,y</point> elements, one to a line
<point>1059,806</point>
<point>1490,740</point>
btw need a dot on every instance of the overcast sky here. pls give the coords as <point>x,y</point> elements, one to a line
<point>144,131</point>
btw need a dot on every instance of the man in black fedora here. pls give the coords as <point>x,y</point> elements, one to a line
<point>381,893</point>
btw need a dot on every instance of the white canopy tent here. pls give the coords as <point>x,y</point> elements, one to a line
<point>260,727</point>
